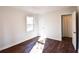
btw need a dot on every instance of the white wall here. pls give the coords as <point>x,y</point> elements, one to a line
<point>12,27</point>
<point>50,23</point>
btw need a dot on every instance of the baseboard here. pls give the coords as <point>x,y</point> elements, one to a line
<point>54,39</point>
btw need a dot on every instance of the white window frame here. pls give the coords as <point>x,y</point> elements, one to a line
<point>29,23</point>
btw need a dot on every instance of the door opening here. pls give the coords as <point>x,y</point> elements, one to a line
<point>67,27</point>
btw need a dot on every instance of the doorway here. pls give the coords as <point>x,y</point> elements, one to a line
<point>69,29</point>
<point>67,26</point>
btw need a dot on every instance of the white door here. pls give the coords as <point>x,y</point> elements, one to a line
<point>74,28</point>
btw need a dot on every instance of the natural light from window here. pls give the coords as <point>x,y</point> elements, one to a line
<point>39,46</point>
<point>29,23</point>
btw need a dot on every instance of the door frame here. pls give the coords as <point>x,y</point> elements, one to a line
<point>76,29</point>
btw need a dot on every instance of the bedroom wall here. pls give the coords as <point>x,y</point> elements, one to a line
<point>50,23</point>
<point>12,27</point>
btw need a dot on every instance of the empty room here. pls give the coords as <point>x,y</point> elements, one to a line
<point>38,29</point>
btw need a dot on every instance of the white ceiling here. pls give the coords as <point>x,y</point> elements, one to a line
<point>41,9</point>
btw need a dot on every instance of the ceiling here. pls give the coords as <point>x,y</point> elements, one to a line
<point>41,9</point>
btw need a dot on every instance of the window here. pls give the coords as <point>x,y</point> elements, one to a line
<point>29,23</point>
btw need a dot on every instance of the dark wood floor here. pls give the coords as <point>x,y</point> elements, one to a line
<point>51,46</point>
<point>54,46</point>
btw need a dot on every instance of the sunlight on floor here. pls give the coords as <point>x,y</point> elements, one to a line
<point>38,48</point>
